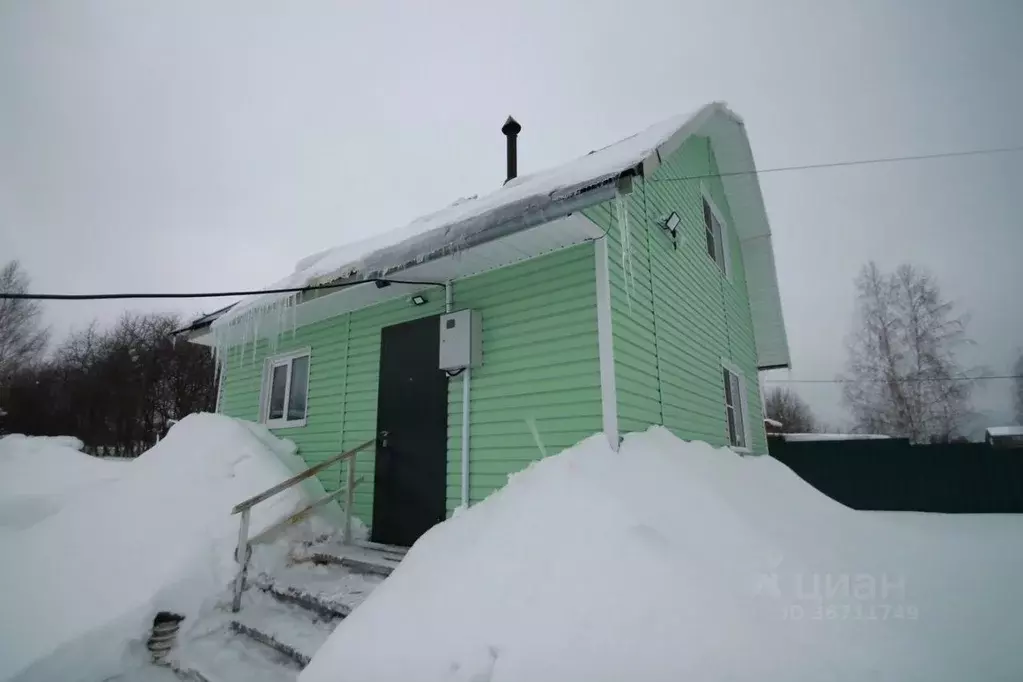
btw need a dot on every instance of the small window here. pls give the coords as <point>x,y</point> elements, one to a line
<point>715,236</point>
<point>734,411</point>
<point>285,390</point>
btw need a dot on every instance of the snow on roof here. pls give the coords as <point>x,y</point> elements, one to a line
<point>672,560</point>
<point>801,437</point>
<point>393,248</point>
<point>997,431</point>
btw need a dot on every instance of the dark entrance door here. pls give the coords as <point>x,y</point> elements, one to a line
<point>412,421</point>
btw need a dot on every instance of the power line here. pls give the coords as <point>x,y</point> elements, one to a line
<point>840,164</point>
<point>380,282</point>
<point>385,282</point>
<point>884,381</point>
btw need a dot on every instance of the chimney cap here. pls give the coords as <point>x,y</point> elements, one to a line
<point>511,127</point>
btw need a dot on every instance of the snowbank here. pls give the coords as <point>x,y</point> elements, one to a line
<point>674,561</point>
<point>806,437</point>
<point>80,588</point>
<point>38,475</point>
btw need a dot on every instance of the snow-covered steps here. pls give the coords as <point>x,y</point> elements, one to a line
<point>365,558</point>
<point>289,629</point>
<point>223,656</point>
<point>328,589</point>
<point>294,610</point>
<point>286,615</point>
<point>325,608</point>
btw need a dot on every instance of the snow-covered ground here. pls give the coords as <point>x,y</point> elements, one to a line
<point>675,561</point>
<point>805,437</point>
<point>39,475</point>
<point>93,549</point>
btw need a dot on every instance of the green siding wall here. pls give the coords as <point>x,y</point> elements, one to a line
<point>675,315</point>
<point>539,364</point>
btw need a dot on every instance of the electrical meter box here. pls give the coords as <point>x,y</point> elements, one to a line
<point>461,340</point>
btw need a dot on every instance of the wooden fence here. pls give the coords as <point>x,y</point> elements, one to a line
<point>892,475</point>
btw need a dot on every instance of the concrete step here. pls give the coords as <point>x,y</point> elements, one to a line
<point>292,631</point>
<point>359,560</point>
<point>329,590</point>
<point>224,656</point>
<point>316,603</point>
<point>395,550</point>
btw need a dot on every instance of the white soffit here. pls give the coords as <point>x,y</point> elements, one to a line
<point>537,241</point>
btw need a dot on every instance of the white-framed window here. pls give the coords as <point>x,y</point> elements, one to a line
<point>285,391</point>
<point>736,408</point>
<point>717,233</point>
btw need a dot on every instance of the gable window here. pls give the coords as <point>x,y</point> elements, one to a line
<point>735,408</point>
<point>714,226</point>
<point>285,390</point>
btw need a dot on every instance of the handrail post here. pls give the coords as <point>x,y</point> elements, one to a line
<point>241,555</point>
<point>349,498</point>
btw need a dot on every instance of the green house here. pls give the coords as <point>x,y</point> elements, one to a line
<point>633,286</point>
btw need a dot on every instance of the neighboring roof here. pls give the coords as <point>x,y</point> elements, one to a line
<point>460,225</point>
<point>999,431</point>
<point>203,321</point>
<point>803,437</point>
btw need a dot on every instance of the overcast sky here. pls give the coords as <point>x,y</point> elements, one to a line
<point>196,145</point>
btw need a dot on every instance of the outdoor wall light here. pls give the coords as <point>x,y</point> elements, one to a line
<point>671,224</point>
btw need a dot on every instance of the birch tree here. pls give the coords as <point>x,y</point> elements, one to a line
<point>903,376</point>
<point>22,339</point>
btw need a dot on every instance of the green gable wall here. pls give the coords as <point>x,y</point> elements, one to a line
<point>675,315</point>
<point>539,364</point>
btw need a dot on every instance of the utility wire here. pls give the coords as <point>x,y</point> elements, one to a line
<point>385,282</point>
<point>209,294</point>
<point>841,164</point>
<point>882,381</point>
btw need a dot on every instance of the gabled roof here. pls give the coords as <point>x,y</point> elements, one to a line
<point>578,183</point>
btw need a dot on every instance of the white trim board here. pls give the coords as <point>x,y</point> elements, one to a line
<point>744,404</point>
<point>723,237</point>
<point>605,345</point>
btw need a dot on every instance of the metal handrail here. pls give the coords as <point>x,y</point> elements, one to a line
<point>244,549</point>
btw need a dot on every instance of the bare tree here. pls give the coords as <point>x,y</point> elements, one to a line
<point>22,339</point>
<point>1017,372</point>
<point>117,389</point>
<point>785,405</point>
<point>903,376</point>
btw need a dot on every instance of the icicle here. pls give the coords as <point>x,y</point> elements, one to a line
<point>294,320</point>
<point>625,240</point>
<point>255,335</point>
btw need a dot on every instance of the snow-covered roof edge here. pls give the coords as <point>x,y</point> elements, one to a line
<point>467,222</point>
<point>999,431</point>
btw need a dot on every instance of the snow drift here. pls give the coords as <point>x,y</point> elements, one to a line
<point>675,561</point>
<point>80,588</point>
<point>39,475</point>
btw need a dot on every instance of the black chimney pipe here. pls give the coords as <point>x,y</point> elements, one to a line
<point>511,130</point>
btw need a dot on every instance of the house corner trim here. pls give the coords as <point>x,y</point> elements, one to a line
<point>605,345</point>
